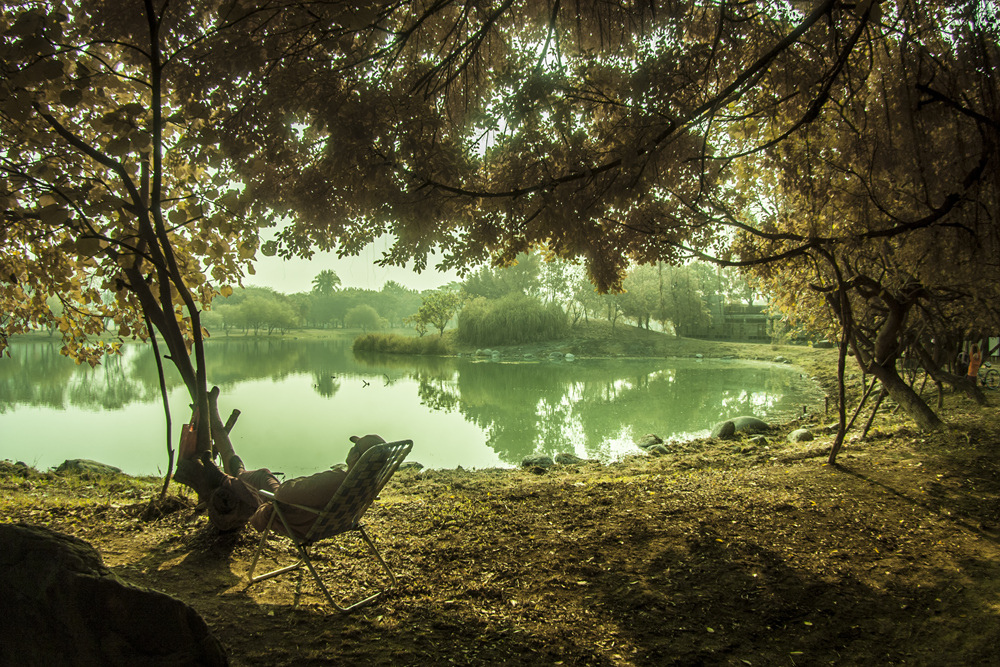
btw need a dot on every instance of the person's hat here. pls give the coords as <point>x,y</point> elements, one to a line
<point>367,440</point>
<point>363,443</point>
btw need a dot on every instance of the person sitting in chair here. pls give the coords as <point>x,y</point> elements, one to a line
<point>235,500</point>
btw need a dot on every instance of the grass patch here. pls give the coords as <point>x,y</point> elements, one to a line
<point>396,344</point>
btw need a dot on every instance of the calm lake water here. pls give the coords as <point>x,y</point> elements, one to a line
<point>300,401</point>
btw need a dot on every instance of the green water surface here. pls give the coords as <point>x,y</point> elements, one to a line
<point>300,401</point>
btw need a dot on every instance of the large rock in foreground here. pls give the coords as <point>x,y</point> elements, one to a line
<point>62,606</point>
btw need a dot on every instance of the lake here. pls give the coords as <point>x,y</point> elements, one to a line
<point>300,401</point>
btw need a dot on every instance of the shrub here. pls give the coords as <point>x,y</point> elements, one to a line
<point>511,320</point>
<point>396,344</point>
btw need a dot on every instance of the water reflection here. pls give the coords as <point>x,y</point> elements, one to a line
<point>475,413</point>
<point>590,408</point>
<point>36,374</point>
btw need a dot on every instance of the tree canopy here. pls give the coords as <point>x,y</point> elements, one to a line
<point>611,132</point>
<point>884,208</point>
<point>842,144</point>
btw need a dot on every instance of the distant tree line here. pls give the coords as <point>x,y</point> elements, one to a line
<point>672,297</point>
<point>263,310</point>
<point>532,299</point>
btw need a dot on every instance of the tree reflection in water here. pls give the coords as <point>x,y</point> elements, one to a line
<point>593,408</point>
<point>596,408</point>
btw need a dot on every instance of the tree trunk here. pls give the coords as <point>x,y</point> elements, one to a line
<point>220,432</point>
<point>871,418</point>
<point>906,398</point>
<point>838,441</point>
<point>861,404</point>
<point>192,472</point>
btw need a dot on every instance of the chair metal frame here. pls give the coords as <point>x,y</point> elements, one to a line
<point>342,514</point>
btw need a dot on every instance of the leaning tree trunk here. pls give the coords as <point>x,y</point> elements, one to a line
<point>881,356</point>
<point>905,397</point>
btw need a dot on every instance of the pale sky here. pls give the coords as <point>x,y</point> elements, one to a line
<point>296,275</point>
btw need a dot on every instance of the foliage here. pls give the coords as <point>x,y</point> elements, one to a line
<point>642,293</point>
<point>253,308</point>
<point>363,317</point>
<point>511,320</point>
<point>395,302</point>
<point>112,183</point>
<point>726,282</point>
<point>596,132</point>
<point>396,344</point>
<point>276,311</point>
<point>269,314</point>
<point>522,276</point>
<point>842,144</point>
<point>884,209</point>
<point>418,323</point>
<point>326,309</point>
<point>437,309</point>
<point>326,282</point>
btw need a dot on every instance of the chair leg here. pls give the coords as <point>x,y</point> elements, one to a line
<point>260,549</point>
<point>364,601</point>
<point>371,545</point>
<point>304,559</point>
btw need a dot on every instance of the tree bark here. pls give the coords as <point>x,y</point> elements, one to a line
<point>871,417</point>
<point>905,397</point>
<point>838,441</point>
<point>220,432</point>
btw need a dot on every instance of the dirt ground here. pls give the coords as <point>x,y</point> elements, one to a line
<point>723,553</point>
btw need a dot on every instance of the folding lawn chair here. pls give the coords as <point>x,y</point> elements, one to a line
<point>342,513</point>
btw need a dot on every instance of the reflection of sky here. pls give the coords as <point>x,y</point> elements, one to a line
<point>758,402</point>
<point>301,401</point>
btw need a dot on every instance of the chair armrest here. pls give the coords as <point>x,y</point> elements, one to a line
<point>270,496</point>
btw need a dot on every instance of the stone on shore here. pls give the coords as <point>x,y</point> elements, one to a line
<point>86,467</point>
<point>726,429</point>
<point>648,440</point>
<point>537,461</point>
<point>800,435</point>
<point>736,425</point>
